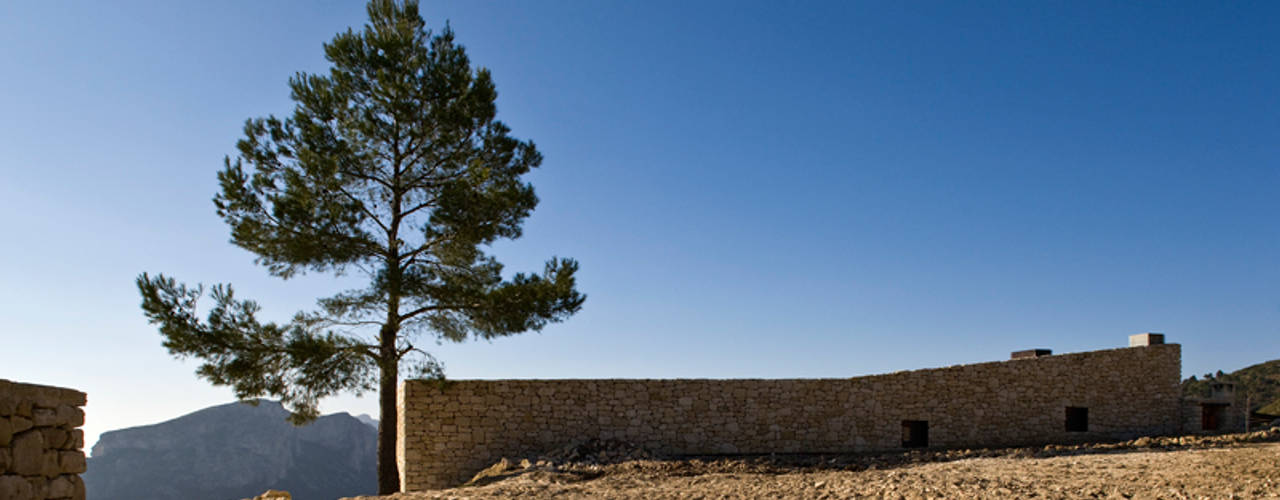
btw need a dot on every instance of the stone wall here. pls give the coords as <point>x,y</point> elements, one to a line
<point>1229,417</point>
<point>449,431</point>
<point>41,448</point>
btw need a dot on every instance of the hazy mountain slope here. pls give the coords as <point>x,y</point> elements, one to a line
<point>364,417</point>
<point>235,451</point>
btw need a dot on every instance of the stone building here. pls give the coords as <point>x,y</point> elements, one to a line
<point>1221,411</point>
<point>448,431</point>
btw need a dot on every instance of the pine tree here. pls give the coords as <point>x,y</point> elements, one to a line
<point>392,165</point>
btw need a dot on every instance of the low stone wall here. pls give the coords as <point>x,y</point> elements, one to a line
<point>41,448</point>
<point>449,431</point>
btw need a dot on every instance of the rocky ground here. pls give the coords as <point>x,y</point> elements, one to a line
<point>1227,466</point>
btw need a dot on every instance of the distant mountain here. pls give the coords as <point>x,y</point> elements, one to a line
<point>364,417</point>
<point>235,451</point>
<point>1261,381</point>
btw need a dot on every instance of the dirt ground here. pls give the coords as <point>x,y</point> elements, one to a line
<point>1230,466</point>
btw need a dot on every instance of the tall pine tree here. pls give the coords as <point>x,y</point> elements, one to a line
<point>392,165</point>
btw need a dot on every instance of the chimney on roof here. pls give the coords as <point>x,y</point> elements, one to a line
<point>1222,390</point>
<point>1030,353</point>
<point>1145,339</point>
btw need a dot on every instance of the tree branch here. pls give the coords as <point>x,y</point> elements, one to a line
<point>371,249</point>
<point>437,307</point>
<point>411,258</point>
<point>363,209</point>
<point>420,206</point>
<point>364,177</point>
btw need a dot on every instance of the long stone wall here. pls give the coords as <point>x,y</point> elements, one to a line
<point>450,431</point>
<point>41,447</point>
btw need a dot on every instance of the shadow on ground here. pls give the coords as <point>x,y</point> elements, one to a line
<point>587,460</point>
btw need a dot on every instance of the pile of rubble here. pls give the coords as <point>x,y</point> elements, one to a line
<point>597,452</point>
<point>585,459</point>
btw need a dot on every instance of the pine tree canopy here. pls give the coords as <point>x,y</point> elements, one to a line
<point>392,165</point>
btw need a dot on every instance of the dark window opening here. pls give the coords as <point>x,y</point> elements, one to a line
<point>1077,419</point>
<point>1211,416</point>
<point>915,434</point>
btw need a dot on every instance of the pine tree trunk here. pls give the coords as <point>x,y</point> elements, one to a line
<point>388,470</point>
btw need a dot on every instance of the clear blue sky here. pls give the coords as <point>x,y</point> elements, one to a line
<point>770,189</point>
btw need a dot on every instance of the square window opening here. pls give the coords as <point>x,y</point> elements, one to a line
<point>1077,419</point>
<point>915,434</point>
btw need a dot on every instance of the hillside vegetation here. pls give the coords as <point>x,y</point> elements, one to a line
<point>1261,381</point>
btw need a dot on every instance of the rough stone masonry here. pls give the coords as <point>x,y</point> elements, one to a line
<point>41,447</point>
<point>449,431</point>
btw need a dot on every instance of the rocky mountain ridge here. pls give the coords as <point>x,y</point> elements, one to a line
<point>235,451</point>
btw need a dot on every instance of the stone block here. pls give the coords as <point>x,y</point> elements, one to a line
<point>49,464</point>
<point>6,431</point>
<point>54,437</point>
<point>15,488</point>
<point>7,406</point>
<point>28,454</point>
<point>6,459</point>
<point>23,408</point>
<point>77,493</point>
<point>42,395</point>
<point>77,440</point>
<point>39,487</point>
<point>44,417</point>
<point>70,416</point>
<point>19,423</point>
<point>61,487</point>
<point>71,462</point>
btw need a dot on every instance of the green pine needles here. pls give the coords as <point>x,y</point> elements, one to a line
<point>392,165</point>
